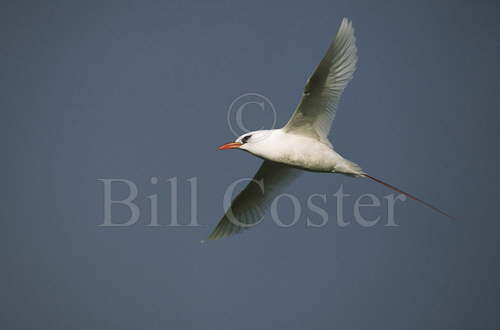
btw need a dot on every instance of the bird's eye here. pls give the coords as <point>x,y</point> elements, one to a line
<point>245,138</point>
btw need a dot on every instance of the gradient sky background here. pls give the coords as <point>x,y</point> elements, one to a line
<point>120,89</point>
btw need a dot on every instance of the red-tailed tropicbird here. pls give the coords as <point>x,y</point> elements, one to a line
<point>302,144</point>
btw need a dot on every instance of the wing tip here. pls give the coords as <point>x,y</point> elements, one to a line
<point>346,27</point>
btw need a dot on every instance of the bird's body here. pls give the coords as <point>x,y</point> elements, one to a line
<point>303,152</point>
<point>302,144</point>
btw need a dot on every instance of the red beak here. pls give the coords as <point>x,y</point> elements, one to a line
<point>230,145</point>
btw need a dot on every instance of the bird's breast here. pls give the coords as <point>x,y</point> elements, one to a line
<point>304,153</point>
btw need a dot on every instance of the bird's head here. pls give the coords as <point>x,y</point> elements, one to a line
<point>250,141</point>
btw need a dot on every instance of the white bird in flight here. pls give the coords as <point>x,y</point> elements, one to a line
<point>302,144</point>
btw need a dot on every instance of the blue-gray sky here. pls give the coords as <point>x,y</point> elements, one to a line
<point>122,89</point>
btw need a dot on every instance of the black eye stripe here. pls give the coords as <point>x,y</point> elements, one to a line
<point>245,138</point>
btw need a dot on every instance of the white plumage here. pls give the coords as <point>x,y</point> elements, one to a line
<point>302,144</point>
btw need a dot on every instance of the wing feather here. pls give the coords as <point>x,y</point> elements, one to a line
<point>249,207</point>
<point>316,110</point>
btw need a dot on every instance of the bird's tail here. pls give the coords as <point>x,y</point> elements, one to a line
<point>408,195</point>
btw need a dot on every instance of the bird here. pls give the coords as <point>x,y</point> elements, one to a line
<point>302,144</point>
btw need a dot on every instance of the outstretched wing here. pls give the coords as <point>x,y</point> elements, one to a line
<point>316,110</point>
<point>248,208</point>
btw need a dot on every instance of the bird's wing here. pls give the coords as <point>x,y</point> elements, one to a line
<point>248,208</point>
<point>316,110</point>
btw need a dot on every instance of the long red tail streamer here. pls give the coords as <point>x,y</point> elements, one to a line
<point>409,195</point>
